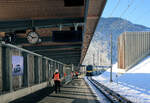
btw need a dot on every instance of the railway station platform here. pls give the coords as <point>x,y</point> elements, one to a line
<point>76,91</point>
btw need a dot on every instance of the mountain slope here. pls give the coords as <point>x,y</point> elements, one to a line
<point>105,27</point>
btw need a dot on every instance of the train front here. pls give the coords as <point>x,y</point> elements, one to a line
<point>89,70</point>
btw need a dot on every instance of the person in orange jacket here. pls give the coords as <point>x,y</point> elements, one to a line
<point>72,74</point>
<point>56,78</point>
<point>65,74</point>
<point>76,74</point>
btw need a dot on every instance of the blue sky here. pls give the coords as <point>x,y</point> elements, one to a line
<point>138,11</point>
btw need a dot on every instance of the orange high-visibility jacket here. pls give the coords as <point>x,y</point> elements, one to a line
<point>71,74</point>
<point>65,74</point>
<point>76,73</point>
<point>56,76</point>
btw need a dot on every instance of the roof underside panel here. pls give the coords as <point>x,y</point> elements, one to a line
<point>37,9</point>
<point>95,8</point>
<point>47,16</point>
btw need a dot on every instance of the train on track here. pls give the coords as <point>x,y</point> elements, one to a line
<point>95,70</point>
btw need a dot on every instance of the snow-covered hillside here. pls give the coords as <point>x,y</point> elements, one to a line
<point>101,40</point>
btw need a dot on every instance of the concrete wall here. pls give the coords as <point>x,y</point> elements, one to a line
<point>22,92</point>
<point>132,47</point>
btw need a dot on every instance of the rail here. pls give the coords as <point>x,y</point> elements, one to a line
<point>112,96</point>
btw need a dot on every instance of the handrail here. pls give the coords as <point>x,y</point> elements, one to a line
<point>30,52</point>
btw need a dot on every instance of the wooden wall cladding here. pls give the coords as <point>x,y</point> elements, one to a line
<point>132,47</point>
<point>27,9</point>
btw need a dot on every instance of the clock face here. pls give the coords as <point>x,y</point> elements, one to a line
<point>33,37</point>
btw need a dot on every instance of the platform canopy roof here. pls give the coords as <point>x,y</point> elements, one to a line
<point>19,17</point>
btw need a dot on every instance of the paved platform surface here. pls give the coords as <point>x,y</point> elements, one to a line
<point>76,91</point>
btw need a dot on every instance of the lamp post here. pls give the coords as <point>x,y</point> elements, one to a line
<point>93,59</point>
<point>111,57</point>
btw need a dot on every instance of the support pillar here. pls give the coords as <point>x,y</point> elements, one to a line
<point>36,70</point>
<point>25,70</point>
<point>7,69</point>
<point>55,66</point>
<point>43,70</point>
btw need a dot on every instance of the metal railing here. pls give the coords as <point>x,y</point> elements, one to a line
<point>37,69</point>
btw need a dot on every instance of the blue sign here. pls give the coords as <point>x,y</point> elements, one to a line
<point>17,65</point>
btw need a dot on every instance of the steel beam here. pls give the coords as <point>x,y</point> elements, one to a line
<point>70,53</point>
<point>34,48</point>
<point>20,41</point>
<point>71,60</point>
<point>53,52</point>
<point>30,23</point>
<point>52,43</point>
<point>59,48</point>
<point>47,22</point>
<point>67,59</point>
<point>65,56</point>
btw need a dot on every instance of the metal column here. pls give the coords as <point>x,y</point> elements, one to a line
<point>7,69</point>
<point>43,70</point>
<point>36,70</point>
<point>25,70</point>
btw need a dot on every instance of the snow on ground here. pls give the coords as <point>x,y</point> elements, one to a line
<point>134,84</point>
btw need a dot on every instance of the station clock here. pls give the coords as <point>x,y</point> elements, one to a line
<point>33,37</point>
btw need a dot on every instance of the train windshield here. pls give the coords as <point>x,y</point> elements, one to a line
<point>89,67</point>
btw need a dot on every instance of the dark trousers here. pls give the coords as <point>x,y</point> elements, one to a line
<point>76,75</point>
<point>57,86</point>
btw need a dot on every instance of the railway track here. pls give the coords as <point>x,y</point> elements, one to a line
<point>112,96</point>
